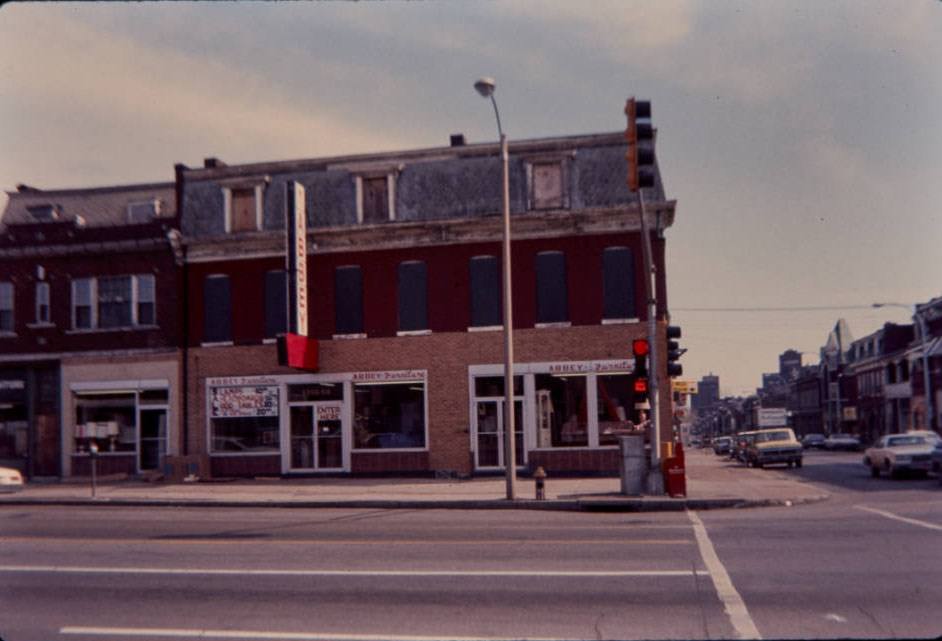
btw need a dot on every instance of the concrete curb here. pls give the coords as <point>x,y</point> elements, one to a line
<point>576,504</point>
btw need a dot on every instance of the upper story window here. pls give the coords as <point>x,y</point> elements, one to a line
<point>348,300</point>
<point>276,302</point>
<point>485,291</point>
<point>42,303</point>
<point>44,213</point>
<point>413,296</point>
<point>547,182</point>
<point>6,308</point>
<point>217,309</point>
<point>243,203</point>
<point>618,280</point>
<point>376,194</point>
<point>114,302</point>
<point>552,300</point>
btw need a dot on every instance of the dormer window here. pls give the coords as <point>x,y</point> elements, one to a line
<point>44,213</point>
<point>376,197</point>
<point>243,202</point>
<point>547,182</point>
<point>143,212</point>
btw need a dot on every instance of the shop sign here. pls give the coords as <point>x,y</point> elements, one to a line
<point>245,401</point>
<point>236,381</point>
<point>592,367</point>
<point>850,413</point>
<point>773,417</point>
<point>328,412</point>
<point>684,387</point>
<point>14,384</point>
<point>389,377</point>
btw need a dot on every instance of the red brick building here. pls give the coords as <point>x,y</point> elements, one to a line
<point>90,329</point>
<point>405,301</point>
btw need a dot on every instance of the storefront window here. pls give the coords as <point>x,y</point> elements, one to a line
<point>107,420</point>
<point>562,413</point>
<point>615,401</point>
<point>389,416</point>
<point>244,419</point>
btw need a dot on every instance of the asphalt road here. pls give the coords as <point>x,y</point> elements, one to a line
<point>865,563</point>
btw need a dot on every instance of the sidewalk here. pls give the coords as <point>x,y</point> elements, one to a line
<point>712,482</point>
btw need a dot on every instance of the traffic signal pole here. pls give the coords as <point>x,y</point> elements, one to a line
<point>655,479</point>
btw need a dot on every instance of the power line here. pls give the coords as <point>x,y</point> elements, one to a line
<point>818,308</point>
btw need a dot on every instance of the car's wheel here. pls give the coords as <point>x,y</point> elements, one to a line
<point>874,470</point>
<point>758,464</point>
<point>798,463</point>
<point>888,468</point>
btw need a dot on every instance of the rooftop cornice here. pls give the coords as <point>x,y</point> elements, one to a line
<point>429,233</point>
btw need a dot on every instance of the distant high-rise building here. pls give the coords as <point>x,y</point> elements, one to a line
<point>789,364</point>
<point>708,392</point>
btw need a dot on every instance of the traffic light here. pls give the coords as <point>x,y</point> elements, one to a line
<point>640,159</point>
<point>640,349</point>
<point>674,352</point>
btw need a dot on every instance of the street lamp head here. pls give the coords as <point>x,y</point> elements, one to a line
<point>485,86</point>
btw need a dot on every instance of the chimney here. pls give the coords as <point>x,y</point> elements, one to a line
<point>213,163</point>
<point>457,140</point>
<point>25,188</point>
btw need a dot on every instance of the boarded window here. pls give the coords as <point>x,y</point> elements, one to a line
<point>276,303</point>
<point>348,300</point>
<point>485,291</point>
<point>217,310</point>
<point>375,200</point>
<point>552,301</point>
<point>618,278</point>
<point>243,210</point>
<point>413,297</point>
<point>547,185</point>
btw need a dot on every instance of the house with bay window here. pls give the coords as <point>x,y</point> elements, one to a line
<point>90,329</point>
<point>404,300</point>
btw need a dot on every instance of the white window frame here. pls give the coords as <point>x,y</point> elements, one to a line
<point>391,175</point>
<point>41,300</point>
<point>259,205</point>
<point>154,203</point>
<point>93,303</point>
<point>565,179</point>
<point>8,286</point>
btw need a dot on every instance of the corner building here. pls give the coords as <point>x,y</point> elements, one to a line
<point>404,290</point>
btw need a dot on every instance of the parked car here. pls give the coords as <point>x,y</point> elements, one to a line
<point>842,442</point>
<point>777,445</point>
<point>813,440</point>
<point>10,480</point>
<point>740,443</point>
<point>930,435</point>
<point>895,453</point>
<point>937,460</point>
<point>722,444</point>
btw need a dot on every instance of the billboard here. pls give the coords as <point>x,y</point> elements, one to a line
<point>773,417</point>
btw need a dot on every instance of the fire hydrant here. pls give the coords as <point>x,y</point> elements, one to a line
<point>540,477</point>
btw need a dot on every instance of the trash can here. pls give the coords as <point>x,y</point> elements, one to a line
<point>633,463</point>
<point>675,476</point>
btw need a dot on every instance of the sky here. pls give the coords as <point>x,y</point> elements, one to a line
<point>802,141</point>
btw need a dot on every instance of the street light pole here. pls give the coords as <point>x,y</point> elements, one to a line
<point>924,335</point>
<point>485,87</point>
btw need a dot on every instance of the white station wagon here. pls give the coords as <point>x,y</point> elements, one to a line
<point>893,453</point>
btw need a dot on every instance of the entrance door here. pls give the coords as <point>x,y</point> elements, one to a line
<point>489,450</point>
<point>316,437</point>
<point>153,438</point>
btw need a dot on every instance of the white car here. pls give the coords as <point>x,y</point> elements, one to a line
<point>893,453</point>
<point>933,437</point>
<point>10,480</point>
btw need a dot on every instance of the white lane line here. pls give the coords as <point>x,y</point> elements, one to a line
<point>253,634</point>
<point>735,607</point>
<point>64,569</point>
<point>897,517</point>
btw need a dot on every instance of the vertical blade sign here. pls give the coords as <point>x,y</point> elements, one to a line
<point>296,228</point>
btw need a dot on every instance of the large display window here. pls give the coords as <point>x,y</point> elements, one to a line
<point>244,419</point>
<point>389,415</point>
<point>563,411</point>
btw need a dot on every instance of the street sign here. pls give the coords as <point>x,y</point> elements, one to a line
<point>773,417</point>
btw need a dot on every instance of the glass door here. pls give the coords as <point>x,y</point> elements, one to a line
<point>316,437</point>
<point>489,450</point>
<point>153,438</point>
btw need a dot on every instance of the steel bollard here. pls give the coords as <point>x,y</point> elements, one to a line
<point>93,453</point>
<point>540,479</point>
